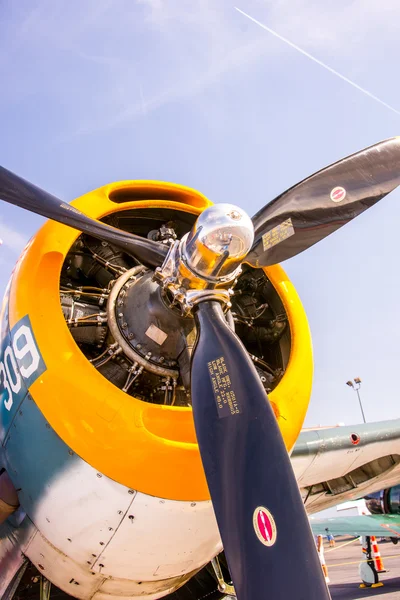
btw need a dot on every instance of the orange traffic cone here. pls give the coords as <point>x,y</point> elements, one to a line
<point>367,568</point>
<point>377,555</point>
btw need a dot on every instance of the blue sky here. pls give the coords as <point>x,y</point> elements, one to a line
<point>192,91</point>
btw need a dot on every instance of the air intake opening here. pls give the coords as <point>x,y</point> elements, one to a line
<point>168,192</point>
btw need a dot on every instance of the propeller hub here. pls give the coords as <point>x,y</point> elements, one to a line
<point>218,243</point>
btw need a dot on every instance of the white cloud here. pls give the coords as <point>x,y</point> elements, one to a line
<point>316,60</point>
<point>131,59</point>
<point>194,44</point>
<point>332,25</point>
<point>12,239</point>
<point>179,90</point>
<point>197,43</point>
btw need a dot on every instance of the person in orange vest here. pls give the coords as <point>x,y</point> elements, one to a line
<point>330,538</point>
<point>320,549</point>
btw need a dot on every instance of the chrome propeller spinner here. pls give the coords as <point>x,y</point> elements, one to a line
<point>210,255</point>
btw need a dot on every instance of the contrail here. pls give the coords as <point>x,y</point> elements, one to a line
<point>319,62</point>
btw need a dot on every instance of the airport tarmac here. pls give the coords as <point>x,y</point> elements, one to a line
<point>342,562</point>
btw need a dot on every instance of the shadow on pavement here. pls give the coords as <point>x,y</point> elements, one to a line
<point>351,591</point>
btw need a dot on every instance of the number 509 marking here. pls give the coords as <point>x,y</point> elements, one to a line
<point>20,361</point>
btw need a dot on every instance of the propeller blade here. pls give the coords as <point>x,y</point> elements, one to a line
<point>317,206</point>
<point>264,528</point>
<point>18,191</point>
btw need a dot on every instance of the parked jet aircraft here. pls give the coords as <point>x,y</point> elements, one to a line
<point>382,519</point>
<point>120,329</point>
<point>367,525</point>
<point>347,463</point>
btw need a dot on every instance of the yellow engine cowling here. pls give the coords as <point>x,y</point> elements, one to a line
<point>148,447</point>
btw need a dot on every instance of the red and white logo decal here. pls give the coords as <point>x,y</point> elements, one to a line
<point>264,526</point>
<point>338,194</point>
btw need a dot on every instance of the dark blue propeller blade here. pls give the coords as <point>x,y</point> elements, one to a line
<point>264,528</point>
<point>18,191</point>
<point>317,206</point>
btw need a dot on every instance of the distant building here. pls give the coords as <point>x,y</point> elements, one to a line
<point>353,508</point>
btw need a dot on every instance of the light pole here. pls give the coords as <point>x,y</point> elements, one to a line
<point>357,382</point>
